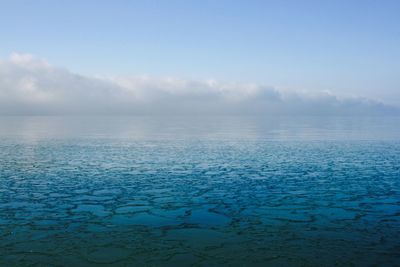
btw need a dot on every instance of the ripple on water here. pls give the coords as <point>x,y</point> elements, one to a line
<point>108,255</point>
<point>142,218</point>
<point>97,210</point>
<point>123,203</point>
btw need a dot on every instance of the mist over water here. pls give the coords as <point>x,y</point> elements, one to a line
<point>30,85</point>
<point>224,128</point>
<point>201,191</point>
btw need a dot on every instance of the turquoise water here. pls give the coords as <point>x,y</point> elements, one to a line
<point>227,191</point>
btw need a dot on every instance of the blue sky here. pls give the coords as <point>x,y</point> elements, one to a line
<point>347,47</point>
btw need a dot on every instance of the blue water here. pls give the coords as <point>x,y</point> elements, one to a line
<point>225,191</point>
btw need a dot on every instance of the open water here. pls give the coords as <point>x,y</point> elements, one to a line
<point>197,191</point>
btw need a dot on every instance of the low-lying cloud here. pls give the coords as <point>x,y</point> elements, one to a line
<point>31,86</point>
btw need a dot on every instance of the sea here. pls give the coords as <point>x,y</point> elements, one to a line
<point>199,191</point>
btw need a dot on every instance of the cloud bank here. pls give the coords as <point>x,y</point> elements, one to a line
<point>31,86</point>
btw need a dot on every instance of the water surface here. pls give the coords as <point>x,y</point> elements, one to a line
<point>182,191</point>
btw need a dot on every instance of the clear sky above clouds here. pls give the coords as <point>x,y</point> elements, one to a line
<point>350,48</point>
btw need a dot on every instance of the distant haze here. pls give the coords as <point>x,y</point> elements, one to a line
<point>31,86</point>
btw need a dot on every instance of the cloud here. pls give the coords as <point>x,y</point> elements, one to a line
<point>31,86</point>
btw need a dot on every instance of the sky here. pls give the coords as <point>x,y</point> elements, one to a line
<point>167,51</point>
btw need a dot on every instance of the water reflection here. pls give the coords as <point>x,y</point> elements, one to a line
<point>207,128</point>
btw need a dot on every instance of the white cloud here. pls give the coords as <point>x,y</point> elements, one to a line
<point>30,85</point>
